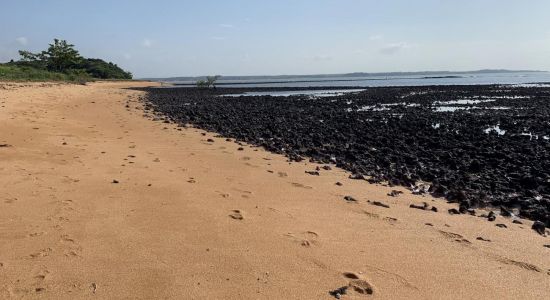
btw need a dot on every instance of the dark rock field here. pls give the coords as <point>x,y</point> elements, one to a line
<point>479,146</point>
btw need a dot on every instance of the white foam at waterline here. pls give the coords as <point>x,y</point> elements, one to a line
<point>455,108</point>
<point>312,93</point>
<point>495,128</point>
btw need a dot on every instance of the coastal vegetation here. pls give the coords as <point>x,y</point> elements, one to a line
<point>209,82</point>
<point>60,62</point>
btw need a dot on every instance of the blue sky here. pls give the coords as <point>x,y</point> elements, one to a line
<point>253,37</point>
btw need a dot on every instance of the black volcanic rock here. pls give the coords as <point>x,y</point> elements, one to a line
<point>539,227</point>
<point>494,153</point>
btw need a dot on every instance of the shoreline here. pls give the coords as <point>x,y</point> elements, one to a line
<point>193,216</point>
<point>466,144</point>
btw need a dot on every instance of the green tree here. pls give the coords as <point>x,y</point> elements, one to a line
<point>210,82</point>
<point>61,56</point>
<point>28,56</point>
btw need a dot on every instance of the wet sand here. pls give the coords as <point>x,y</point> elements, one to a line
<point>97,201</point>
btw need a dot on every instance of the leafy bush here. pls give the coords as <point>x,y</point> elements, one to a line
<point>13,72</point>
<point>99,68</point>
<point>210,82</point>
<point>60,62</point>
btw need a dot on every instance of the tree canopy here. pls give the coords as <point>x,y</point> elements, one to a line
<point>62,57</point>
<point>210,82</point>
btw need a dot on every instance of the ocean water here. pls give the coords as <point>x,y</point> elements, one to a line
<point>378,81</point>
<point>313,93</point>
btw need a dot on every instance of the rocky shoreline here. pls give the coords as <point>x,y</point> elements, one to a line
<point>479,146</point>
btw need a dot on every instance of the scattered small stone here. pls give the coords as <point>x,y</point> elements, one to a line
<point>350,199</point>
<point>492,216</point>
<point>539,227</point>
<point>547,246</point>
<point>517,222</point>
<point>337,293</point>
<point>314,173</point>
<point>453,211</point>
<point>339,183</point>
<point>4,145</point>
<point>424,206</point>
<point>378,203</point>
<point>429,224</point>
<point>327,168</point>
<point>482,239</point>
<point>210,140</point>
<point>64,143</point>
<point>115,181</point>
<point>240,149</point>
<point>504,212</point>
<point>434,209</point>
<point>357,177</point>
<point>394,193</point>
<point>501,225</point>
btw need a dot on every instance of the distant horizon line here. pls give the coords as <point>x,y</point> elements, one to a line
<point>350,74</point>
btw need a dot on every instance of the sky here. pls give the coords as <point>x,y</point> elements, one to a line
<point>256,37</point>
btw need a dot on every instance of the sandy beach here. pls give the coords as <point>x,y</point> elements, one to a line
<point>99,202</point>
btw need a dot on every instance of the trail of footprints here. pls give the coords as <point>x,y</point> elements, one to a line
<point>65,245</point>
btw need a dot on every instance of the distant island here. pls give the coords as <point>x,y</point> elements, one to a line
<point>427,74</point>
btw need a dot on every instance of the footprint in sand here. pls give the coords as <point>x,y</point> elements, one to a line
<point>224,195</point>
<point>10,200</point>
<point>237,214</point>
<point>356,285</point>
<point>305,239</point>
<point>523,265</point>
<point>35,234</point>
<point>390,220</point>
<point>455,236</point>
<point>42,253</point>
<point>296,184</point>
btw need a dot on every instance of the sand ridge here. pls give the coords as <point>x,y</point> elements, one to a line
<point>98,201</point>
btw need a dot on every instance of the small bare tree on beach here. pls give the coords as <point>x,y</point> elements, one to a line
<point>210,82</point>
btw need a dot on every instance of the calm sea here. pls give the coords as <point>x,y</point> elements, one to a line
<point>415,80</point>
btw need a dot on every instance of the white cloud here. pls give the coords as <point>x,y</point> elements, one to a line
<point>227,26</point>
<point>147,43</point>
<point>376,37</point>
<point>22,40</point>
<point>393,48</point>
